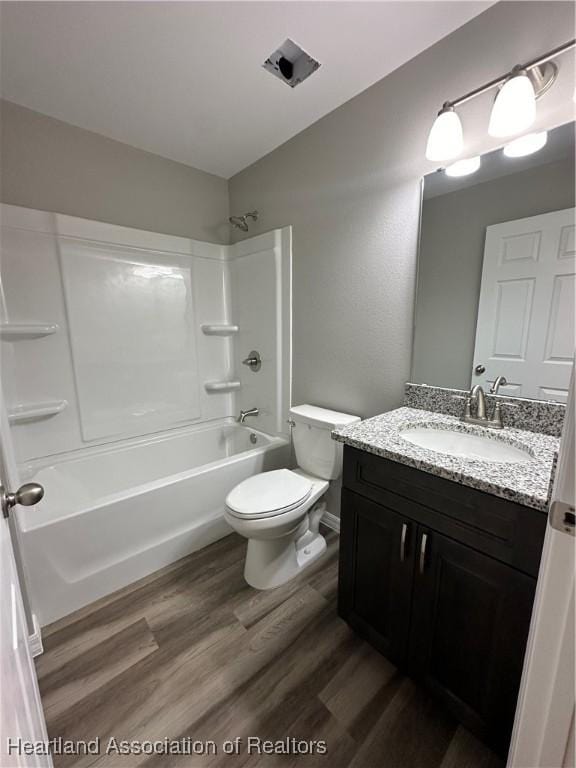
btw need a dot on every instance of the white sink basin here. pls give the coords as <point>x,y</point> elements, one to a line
<point>469,446</point>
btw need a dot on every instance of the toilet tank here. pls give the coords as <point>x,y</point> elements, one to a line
<point>315,450</point>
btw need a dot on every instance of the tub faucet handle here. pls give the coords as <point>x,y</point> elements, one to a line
<point>27,495</point>
<point>253,361</point>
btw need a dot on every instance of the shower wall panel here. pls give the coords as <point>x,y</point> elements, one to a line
<point>128,357</point>
<point>114,334</point>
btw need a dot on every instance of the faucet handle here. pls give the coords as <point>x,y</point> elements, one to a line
<point>253,361</point>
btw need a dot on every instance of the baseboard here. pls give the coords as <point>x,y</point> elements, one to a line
<point>331,521</point>
<point>35,640</point>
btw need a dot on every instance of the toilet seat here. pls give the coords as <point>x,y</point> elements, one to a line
<point>268,494</point>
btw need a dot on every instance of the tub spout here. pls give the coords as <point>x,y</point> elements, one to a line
<point>244,414</point>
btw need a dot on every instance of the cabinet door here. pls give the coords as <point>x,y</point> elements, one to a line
<point>376,572</point>
<point>468,635</point>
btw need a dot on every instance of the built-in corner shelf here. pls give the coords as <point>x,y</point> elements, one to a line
<point>25,412</point>
<point>219,387</point>
<point>220,330</point>
<point>20,331</point>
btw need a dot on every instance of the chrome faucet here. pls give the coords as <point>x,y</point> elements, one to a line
<point>244,414</point>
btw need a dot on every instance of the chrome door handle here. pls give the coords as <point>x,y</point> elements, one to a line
<point>403,542</point>
<point>423,544</point>
<point>27,495</point>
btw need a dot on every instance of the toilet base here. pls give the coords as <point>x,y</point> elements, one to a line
<point>273,562</point>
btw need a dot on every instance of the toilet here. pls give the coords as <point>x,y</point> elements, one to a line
<point>279,512</point>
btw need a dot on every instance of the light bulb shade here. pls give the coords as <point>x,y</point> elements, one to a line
<point>515,107</point>
<point>445,140</point>
<point>526,145</point>
<point>464,167</point>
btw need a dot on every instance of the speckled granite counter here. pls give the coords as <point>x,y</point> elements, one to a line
<point>526,483</point>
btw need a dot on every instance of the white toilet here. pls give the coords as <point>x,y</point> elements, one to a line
<point>279,512</point>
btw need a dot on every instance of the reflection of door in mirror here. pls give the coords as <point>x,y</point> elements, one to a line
<point>526,326</point>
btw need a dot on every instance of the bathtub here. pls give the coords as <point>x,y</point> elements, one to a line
<point>115,515</point>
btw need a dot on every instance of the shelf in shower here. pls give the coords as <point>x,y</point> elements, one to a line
<point>23,413</point>
<point>20,331</point>
<point>220,330</point>
<point>219,387</point>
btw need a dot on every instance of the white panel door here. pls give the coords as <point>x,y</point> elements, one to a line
<point>526,327</point>
<point>22,724</point>
<point>543,732</point>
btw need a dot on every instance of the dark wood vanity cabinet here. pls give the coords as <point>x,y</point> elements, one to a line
<point>440,578</point>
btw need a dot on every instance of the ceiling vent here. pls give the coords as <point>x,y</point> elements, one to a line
<point>291,64</point>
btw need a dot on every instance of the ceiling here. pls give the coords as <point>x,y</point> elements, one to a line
<point>184,79</point>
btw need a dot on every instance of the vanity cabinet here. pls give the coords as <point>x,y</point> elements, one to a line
<point>440,578</point>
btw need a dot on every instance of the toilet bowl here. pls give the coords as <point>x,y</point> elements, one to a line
<point>279,512</point>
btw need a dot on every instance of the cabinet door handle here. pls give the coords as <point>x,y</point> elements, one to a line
<point>403,542</point>
<point>423,544</point>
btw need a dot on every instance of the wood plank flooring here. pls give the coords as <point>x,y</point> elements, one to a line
<point>192,652</point>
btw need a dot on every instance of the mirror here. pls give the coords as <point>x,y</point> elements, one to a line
<point>496,274</point>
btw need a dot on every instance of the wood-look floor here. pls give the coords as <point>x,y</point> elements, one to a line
<point>193,651</point>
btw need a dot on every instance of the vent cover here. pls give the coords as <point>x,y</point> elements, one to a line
<point>290,64</point>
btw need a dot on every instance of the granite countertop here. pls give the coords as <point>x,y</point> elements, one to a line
<point>526,483</point>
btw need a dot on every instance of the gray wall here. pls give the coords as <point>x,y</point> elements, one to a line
<point>451,256</point>
<point>54,166</point>
<point>350,186</point>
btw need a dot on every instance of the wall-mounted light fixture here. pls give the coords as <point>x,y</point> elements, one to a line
<point>514,108</point>
<point>446,139</point>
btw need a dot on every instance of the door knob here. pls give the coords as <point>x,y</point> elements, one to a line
<point>27,495</point>
<point>480,369</point>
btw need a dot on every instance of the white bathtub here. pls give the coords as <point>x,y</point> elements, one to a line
<point>118,514</point>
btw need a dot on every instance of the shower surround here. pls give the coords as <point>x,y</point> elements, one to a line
<point>122,373</point>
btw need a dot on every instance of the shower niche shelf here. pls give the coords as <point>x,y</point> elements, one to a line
<point>219,329</point>
<point>21,331</point>
<point>23,413</point>
<point>220,387</point>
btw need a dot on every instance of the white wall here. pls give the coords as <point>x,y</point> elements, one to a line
<point>350,187</point>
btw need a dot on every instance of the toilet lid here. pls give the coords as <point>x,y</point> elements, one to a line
<point>269,492</point>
